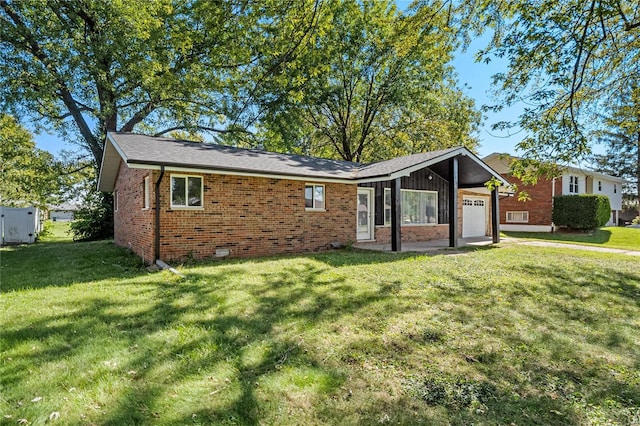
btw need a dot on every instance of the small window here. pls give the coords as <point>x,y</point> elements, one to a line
<point>519,217</point>
<point>573,184</point>
<point>467,202</point>
<point>478,203</point>
<point>599,185</point>
<point>314,197</point>
<point>615,188</point>
<point>115,201</point>
<point>186,191</point>
<point>146,192</point>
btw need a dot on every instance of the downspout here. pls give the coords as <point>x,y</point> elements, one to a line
<point>553,195</point>
<point>157,227</point>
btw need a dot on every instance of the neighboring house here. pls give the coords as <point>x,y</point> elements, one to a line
<point>221,201</point>
<point>64,212</point>
<point>535,214</point>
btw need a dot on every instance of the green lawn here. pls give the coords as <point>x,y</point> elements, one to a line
<point>610,237</point>
<point>506,335</point>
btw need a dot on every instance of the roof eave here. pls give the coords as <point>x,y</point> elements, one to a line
<point>109,166</point>
<point>191,168</point>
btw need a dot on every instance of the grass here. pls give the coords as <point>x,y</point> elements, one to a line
<point>610,237</point>
<point>508,335</point>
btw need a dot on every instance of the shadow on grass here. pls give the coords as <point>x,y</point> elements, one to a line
<point>195,329</point>
<point>63,263</point>
<point>239,344</point>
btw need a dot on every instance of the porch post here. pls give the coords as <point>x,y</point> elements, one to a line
<point>495,215</point>
<point>396,236</point>
<point>453,202</point>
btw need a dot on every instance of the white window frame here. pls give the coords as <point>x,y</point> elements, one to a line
<point>146,193</point>
<point>186,188</point>
<point>573,185</point>
<point>115,201</point>
<point>388,223</point>
<point>599,186</point>
<point>313,198</point>
<point>615,188</point>
<point>524,216</point>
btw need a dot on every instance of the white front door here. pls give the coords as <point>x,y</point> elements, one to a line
<point>365,213</point>
<point>474,217</point>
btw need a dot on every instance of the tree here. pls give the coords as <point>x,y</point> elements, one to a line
<point>371,84</point>
<point>28,175</point>
<point>83,68</point>
<point>87,67</point>
<point>622,138</point>
<point>567,60</point>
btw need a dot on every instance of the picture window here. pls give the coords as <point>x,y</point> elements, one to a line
<point>416,207</point>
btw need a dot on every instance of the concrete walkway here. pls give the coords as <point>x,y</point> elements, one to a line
<point>427,246</point>
<point>571,246</point>
<point>437,245</point>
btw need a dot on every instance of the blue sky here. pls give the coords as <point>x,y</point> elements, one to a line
<point>474,79</point>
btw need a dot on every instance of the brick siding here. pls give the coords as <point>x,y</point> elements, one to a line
<point>413,233</point>
<point>249,216</point>
<point>540,204</point>
<point>133,225</point>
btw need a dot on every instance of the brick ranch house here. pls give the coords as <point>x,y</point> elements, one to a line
<point>176,199</point>
<point>535,215</point>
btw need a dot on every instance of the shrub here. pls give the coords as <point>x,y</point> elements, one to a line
<point>583,212</point>
<point>95,220</point>
<point>636,220</point>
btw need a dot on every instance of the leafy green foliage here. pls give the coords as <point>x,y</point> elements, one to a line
<point>86,68</point>
<point>585,211</point>
<point>566,59</point>
<point>28,175</point>
<point>371,84</point>
<point>94,221</point>
<point>622,139</point>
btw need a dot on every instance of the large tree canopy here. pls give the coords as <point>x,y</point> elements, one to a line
<point>28,175</point>
<point>371,84</point>
<point>568,61</point>
<point>87,67</point>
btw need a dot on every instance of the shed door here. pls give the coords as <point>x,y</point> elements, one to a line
<point>18,225</point>
<point>474,217</point>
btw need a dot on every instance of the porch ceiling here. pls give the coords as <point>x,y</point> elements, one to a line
<point>471,174</point>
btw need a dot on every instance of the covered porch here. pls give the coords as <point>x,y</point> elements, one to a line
<point>449,173</point>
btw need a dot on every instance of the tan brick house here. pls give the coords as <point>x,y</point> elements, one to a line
<point>178,199</point>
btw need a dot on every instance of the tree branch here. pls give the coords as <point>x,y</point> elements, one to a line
<point>205,128</point>
<point>36,51</point>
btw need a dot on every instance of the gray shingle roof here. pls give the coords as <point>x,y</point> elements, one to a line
<point>140,149</point>
<point>143,150</point>
<point>394,165</point>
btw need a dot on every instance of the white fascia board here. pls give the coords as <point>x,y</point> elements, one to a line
<point>239,173</point>
<point>109,165</point>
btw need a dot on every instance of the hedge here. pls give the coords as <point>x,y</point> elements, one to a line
<point>584,212</point>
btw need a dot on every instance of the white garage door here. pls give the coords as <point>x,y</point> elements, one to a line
<point>474,217</point>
